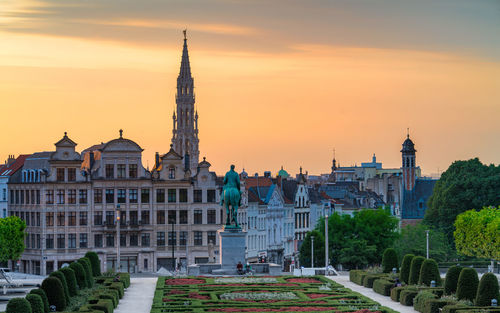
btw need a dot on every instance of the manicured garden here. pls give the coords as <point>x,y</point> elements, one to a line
<point>258,294</point>
<point>80,287</point>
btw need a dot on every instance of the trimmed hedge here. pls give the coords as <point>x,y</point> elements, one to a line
<point>125,278</point>
<point>451,280</point>
<point>18,305</point>
<point>69,274</point>
<point>117,286</point>
<point>433,305</point>
<point>59,275</point>
<point>467,284</point>
<point>389,260</point>
<point>36,303</point>
<point>88,271</point>
<point>396,293</point>
<point>416,264</point>
<point>407,295</point>
<point>369,279</point>
<point>55,293</point>
<point>429,271</point>
<point>487,290</point>
<point>452,308</point>
<point>356,276</point>
<point>383,286</point>
<point>421,299</point>
<point>405,268</point>
<point>94,262</point>
<point>41,293</point>
<point>105,305</point>
<point>80,274</point>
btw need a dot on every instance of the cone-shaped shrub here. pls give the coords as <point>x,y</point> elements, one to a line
<point>81,278</point>
<point>18,305</point>
<point>88,271</point>
<point>62,278</point>
<point>69,274</point>
<point>416,263</point>
<point>94,261</point>
<point>405,268</point>
<point>467,284</point>
<point>42,295</point>
<point>488,289</point>
<point>389,260</point>
<point>55,293</point>
<point>429,271</point>
<point>36,303</point>
<point>451,280</point>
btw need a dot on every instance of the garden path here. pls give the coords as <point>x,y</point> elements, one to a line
<point>367,292</point>
<point>139,296</point>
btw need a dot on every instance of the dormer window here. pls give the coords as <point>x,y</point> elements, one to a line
<point>71,174</point>
<point>60,174</point>
<point>171,173</point>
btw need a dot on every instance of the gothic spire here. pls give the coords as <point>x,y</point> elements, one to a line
<point>185,71</point>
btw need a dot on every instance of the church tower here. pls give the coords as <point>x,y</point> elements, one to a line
<point>409,167</point>
<point>185,123</point>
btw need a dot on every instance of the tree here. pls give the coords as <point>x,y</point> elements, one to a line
<point>11,238</point>
<point>355,254</point>
<point>478,233</point>
<point>319,250</point>
<point>465,185</point>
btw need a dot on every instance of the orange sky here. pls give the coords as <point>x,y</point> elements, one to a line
<point>277,84</point>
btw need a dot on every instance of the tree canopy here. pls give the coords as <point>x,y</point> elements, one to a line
<point>11,238</point>
<point>319,250</point>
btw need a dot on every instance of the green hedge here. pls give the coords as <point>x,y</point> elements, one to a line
<point>95,263</point>
<point>467,284</point>
<point>125,279</point>
<point>36,303</point>
<point>396,293</point>
<point>383,286</point>
<point>59,275</point>
<point>117,286</point>
<point>69,274</point>
<point>487,290</point>
<point>55,293</point>
<point>433,305</point>
<point>80,274</point>
<point>420,300</point>
<point>356,276</point>
<point>42,295</point>
<point>453,308</point>
<point>416,264</point>
<point>407,295</point>
<point>451,280</point>
<point>89,278</point>
<point>18,305</point>
<point>429,271</point>
<point>405,268</point>
<point>370,278</point>
<point>389,260</point>
<point>105,305</point>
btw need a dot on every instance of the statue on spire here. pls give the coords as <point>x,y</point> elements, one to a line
<point>184,31</point>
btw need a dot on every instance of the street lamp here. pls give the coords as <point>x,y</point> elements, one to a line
<point>117,267</point>
<point>326,243</point>
<point>427,238</point>
<point>312,251</point>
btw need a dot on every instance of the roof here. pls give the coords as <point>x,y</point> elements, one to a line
<point>408,146</point>
<point>288,188</point>
<point>258,181</point>
<point>261,194</point>
<point>38,160</point>
<point>9,169</point>
<point>415,201</point>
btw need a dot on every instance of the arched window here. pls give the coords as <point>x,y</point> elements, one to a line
<point>171,172</point>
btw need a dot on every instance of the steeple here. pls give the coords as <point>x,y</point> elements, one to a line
<point>409,163</point>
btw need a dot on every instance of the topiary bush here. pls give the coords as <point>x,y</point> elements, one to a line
<point>36,303</point>
<point>487,290</point>
<point>433,305</point>
<point>407,295</point>
<point>405,268</point>
<point>421,299</point>
<point>467,284</point>
<point>416,264</point>
<point>357,276</point>
<point>125,279</point>
<point>88,271</point>
<point>94,262</point>
<point>395,293</point>
<point>389,260</point>
<point>59,275</point>
<point>429,271</point>
<point>69,274</point>
<point>80,274</point>
<point>18,305</point>
<point>55,294</point>
<point>451,280</point>
<point>383,286</point>
<point>42,295</point>
<point>369,279</point>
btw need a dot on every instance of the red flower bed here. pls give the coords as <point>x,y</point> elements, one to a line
<point>184,281</point>
<point>176,292</point>
<point>304,280</point>
<point>251,285</point>
<point>167,300</point>
<point>263,301</point>
<point>318,295</point>
<point>291,308</point>
<point>195,295</point>
<point>313,302</point>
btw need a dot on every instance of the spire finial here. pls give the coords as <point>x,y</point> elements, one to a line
<point>121,133</point>
<point>65,134</point>
<point>301,170</point>
<point>185,36</point>
<point>408,132</point>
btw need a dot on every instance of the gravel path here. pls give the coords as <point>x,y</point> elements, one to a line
<point>139,296</point>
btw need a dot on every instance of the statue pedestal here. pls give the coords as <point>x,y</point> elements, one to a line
<point>232,247</point>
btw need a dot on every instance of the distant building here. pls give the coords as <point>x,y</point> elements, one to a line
<point>11,166</point>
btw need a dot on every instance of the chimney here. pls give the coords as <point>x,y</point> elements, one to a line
<point>186,161</point>
<point>11,159</point>
<point>157,160</point>
<point>91,159</point>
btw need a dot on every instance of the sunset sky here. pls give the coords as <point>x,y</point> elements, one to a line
<point>279,82</point>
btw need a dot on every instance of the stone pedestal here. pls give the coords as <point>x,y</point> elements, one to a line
<point>232,248</point>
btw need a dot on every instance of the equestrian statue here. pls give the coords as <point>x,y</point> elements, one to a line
<point>231,196</point>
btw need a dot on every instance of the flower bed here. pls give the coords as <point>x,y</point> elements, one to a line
<point>246,280</point>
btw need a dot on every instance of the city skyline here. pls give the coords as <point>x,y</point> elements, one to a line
<point>300,87</point>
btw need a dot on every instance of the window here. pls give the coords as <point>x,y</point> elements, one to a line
<point>82,196</point>
<point>171,172</point>
<point>134,240</point>
<point>198,238</point>
<point>110,196</point>
<point>83,241</point>
<point>97,218</point>
<point>160,195</point>
<point>133,218</point>
<point>38,219</point>
<point>11,200</point>
<point>17,196</point>
<point>211,236</point>
<point>198,217</point>
<point>123,240</point>
<point>98,240</point>
<point>110,218</point>
<point>123,217</point>
<point>183,195</point>
<point>72,196</point>
<point>145,240</point>
<point>60,174</point>
<point>121,197</point>
<point>183,217</point>
<point>132,195</point>
<point>171,195</point>
<point>110,171</point>
<point>33,197</point>
<point>60,196</point>
<point>160,217</point>
<point>120,170</point>
<point>197,195</point>
<point>211,217</point>
<point>27,197</point>
<point>72,219</point>
<point>144,195</point>
<point>145,217</point>
<point>97,196</point>
<point>210,195</point>
<point>61,241</point>
<point>60,218</point>
<point>4,194</point>
<point>71,174</point>
<point>132,170</point>
<point>183,238</point>
<point>172,217</point>
<point>38,197</point>
<point>38,241</point>
<point>110,240</point>
<point>71,241</point>
<point>172,238</point>
<point>160,238</point>
<point>83,218</point>
<point>49,241</point>
<point>49,219</point>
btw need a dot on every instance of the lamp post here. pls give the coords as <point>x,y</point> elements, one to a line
<point>117,267</point>
<point>174,239</point>
<point>326,243</point>
<point>312,251</point>
<point>427,239</point>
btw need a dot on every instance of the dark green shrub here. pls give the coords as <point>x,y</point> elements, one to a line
<point>88,272</point>
<point>429,271</point>
<point>105,305</point>
<point>451,280</point>
<point>117,286</point>
<point>421,299</point>
<point>18,305</point>
<point>452,308</point>
<point>36,303</point>
<point>383,286</point>
<point>69,274</point>
<point>407,295</point>
<point>433,305</point>
<point>395,293</point>
<point>55,293</point>
<point>488,289</point>
<point>467,284</point>
<point>42,295</point>
<point>389,260</point>
<point>356,276</point>
<point>95,263</point>
<point>87,309</point>
<point>59,275</point>
<point>80,274</point>
<point>369,279</point>
<point>405,268</point>
<point>416,264</point>
<point>125,278</point>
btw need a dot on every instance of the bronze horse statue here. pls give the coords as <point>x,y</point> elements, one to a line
<point>231,196</point>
